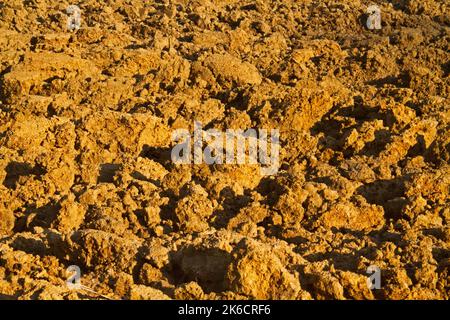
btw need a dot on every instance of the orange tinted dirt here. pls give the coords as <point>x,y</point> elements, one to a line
<point>86,124</point>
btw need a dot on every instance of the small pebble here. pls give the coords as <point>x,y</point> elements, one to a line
<point>74,20</point>
<point>374,18</point>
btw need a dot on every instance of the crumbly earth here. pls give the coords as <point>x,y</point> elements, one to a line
<point>86,179</point>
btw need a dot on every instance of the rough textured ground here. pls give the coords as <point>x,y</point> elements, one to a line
<point>85,135</point>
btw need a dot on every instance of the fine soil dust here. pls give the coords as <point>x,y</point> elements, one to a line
<point>86,123</point>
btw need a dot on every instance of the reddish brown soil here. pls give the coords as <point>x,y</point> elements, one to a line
<point>86,178</point>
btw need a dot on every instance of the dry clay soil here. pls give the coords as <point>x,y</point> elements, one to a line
<point>86,178</point>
